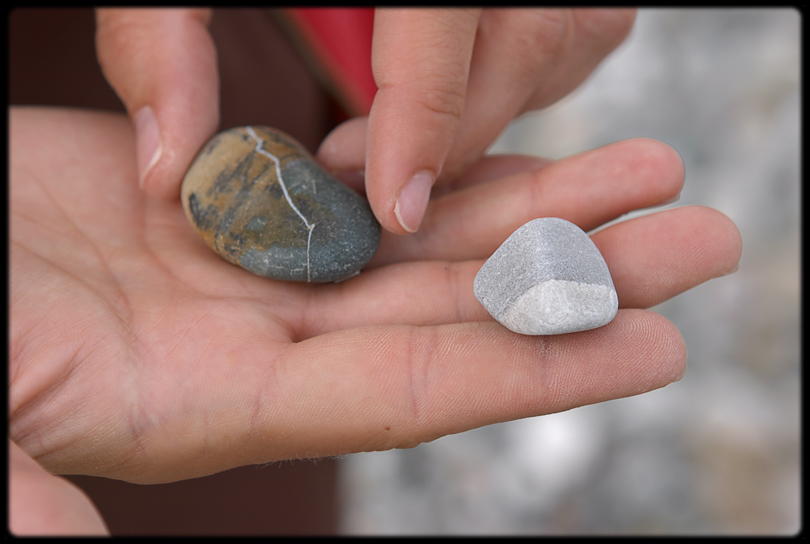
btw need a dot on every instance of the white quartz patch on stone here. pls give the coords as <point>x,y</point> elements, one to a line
<point>559,306</point>
<point>548,277</point>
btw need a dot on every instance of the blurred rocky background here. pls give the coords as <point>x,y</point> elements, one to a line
<point>719,451</point>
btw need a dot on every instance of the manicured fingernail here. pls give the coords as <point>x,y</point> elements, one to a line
<point>412,201</point>
<point>148,145</point>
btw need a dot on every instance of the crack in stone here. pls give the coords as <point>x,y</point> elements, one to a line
<point>310,226</point>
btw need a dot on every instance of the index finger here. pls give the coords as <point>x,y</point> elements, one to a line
<point>421,62</point>
<point>162,64</point>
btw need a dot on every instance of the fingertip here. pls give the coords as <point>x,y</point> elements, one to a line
<point>652,348</point>
<point>167,145</point>
<point>345,147</point>
<point>405,153</point>
<point>712,243</point>
<point>161,171</point>
<point>343,153</point>
<point>665,165</point>
<point>728,243</point>
<point>638,352</point>
<point>667,348</point>
<point>657,169</point>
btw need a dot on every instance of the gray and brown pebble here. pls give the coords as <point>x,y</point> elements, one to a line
<point>259,200</point>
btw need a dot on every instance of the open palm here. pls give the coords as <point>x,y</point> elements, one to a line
<point>137,353</point>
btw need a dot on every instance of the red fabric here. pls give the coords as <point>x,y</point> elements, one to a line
<point>340,39</point>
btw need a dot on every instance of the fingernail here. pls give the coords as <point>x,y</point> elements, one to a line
<point>148,145</point>
<point>412,201</point>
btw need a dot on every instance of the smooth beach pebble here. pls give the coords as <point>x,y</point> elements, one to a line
<point>548,277</point>
<point>260,201</point>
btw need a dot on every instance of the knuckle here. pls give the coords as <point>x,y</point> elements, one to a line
<point>536,32</point>
<point>419,350</point>
<point>442,101</point>
<point>534,38</point>
<point>441,89</point>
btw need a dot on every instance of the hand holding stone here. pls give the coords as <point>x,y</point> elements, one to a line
<point>138,353</point>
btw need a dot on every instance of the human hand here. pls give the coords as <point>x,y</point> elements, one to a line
<point>139,354</point>
<point>449,81</point>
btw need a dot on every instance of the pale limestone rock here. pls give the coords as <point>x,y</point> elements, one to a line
<point>548,277</point>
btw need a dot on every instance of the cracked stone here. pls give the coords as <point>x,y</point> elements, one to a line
<point>260,201</point>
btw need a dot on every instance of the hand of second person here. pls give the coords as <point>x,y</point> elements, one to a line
<point>450,80</point>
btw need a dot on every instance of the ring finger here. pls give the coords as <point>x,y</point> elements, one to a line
<point>651,258</point>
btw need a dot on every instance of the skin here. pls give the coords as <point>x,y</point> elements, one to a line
<point>138,354</point>
<point>449,80</point>
<point>44,504</point>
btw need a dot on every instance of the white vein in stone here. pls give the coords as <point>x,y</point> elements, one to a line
<point>262,151</point>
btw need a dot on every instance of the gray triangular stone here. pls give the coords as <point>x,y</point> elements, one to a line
<point>548,277</point>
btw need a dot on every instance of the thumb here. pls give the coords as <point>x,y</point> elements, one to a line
<point>40,503</point>
<point>162,64</point>
<point>421,62</point>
